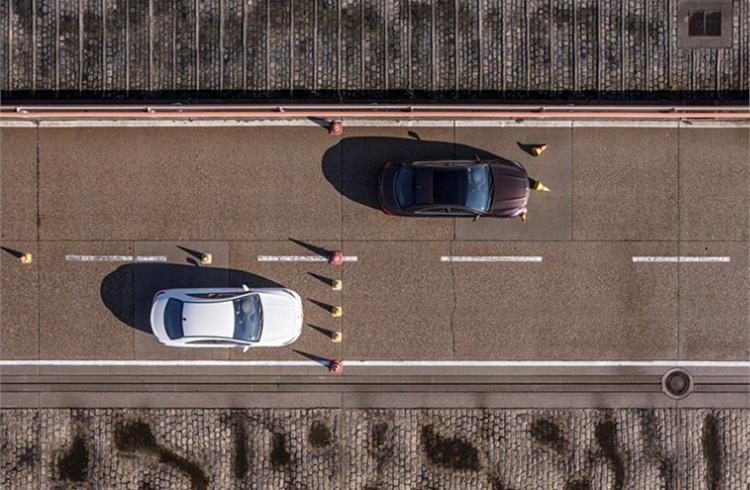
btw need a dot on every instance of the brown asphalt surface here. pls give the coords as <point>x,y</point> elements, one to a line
<point>243,192</point>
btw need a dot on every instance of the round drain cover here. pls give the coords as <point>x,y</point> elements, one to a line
<point>677,383</point>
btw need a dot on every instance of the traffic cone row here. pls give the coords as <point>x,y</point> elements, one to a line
<point>537,150</point>
<point>336,258</point>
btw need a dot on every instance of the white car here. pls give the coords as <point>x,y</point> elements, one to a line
<point>227,317</point>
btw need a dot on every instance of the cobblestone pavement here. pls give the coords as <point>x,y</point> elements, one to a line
<point>354,49</point>
<point>376,449</point>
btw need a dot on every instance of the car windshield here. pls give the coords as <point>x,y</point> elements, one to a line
<point>405,186</point>
<point>248,318</point>
<point>479,188</point>
<point>173,319</point>
<point>470,187</point>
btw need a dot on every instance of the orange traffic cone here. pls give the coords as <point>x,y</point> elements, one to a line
<point>335,366</point>
<point>336,128</point>
<point>336,258</point>
<point>538,150</point>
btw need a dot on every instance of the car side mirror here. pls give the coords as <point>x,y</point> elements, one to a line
<point>476,217</point>
<point>245,288</point>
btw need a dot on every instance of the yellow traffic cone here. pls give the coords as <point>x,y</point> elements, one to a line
<point>337,285</point>
<point>541,187</point>
<point>25,258</point>
<point>538,150</point>
<point>336,311</point>
<point>206,259</point>
<point>336,337</point>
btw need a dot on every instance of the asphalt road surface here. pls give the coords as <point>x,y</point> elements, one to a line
<point>594,274</point>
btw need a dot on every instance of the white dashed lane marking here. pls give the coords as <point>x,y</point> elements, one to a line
<point>680,259</point>
<point>116,258</point>
<point>490,258</point>
<point>300,258</point>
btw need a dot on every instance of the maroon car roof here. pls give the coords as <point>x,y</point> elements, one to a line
<point>511,188</point>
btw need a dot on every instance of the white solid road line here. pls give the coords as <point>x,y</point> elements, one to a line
<point>411,123</point>
<point>490,258</point>
<point>116,258</point>
<point>300,258</point>
<point>680,259</point>
<point>379,363</point>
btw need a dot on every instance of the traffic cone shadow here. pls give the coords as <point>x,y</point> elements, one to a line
<point>323,361</point>
<point>320,121</point>
<point>23,257</point>
<point>325,331</point>
<point>325,280</point>
<point>203,258</point>
<point>323,305</point>
<point>335,310</point>
<point>323,252</point>
<point>334,284</point>
<point>15,253</point>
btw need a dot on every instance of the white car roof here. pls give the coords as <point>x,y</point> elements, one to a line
<point>208,319</point>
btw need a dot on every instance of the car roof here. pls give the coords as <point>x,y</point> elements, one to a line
<point>433,191</point>
<point>208,319</point>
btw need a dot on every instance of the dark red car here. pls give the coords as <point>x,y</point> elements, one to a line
<point>454,188</point>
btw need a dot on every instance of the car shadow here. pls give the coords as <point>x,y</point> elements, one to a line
<point>129,290</point>
<point>353,165</point>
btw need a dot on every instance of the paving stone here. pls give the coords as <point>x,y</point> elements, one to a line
<point>383,448</point>
<point>354,49</point>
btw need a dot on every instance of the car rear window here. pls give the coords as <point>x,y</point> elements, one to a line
<point>405,187</point>
<point>173,319</point>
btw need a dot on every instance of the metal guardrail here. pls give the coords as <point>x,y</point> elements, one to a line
<point>401,111</point>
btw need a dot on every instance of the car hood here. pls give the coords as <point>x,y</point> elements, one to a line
<point>282,319</point>
<point>511,189</point>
